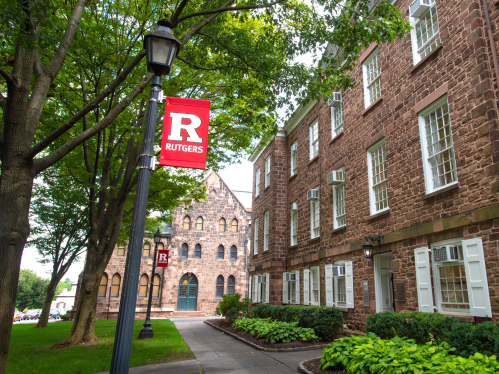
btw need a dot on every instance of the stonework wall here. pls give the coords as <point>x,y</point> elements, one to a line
<point>461,68</point>
<point>220,203</point>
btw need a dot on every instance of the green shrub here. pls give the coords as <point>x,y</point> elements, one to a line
<point>275,331</point>
<point>232,308</point>
<point>371,354</point>
<point>65,317</point>
<point>468,338</point>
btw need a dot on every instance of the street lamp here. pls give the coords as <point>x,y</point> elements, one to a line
<point>161,49</point>
<point>147,332</point>
<point>368,247</point>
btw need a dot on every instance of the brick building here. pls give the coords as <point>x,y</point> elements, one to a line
<point>208,258</point>
<point>410,154</point>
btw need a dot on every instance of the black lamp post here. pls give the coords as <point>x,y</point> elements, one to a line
<point>161,49</point>
<point>147,332</point>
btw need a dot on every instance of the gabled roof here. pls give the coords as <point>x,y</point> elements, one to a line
<point>232,193</point>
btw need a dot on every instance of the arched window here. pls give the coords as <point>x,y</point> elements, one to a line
<point>221,225</point>
<point>103,286</point>
<point>233,252</point>
<point>115,285</point>
<point>220,252</point>
<point>155,286</point>
<point>121,251</point>
<point>184,251</point>
<point>144,279</point>
<point>187,223</point>
<point>199,224</point>
<point>231,285</point>
<point>234,225</point>
<point>220,287</point>
<point>146,252</point>
<point>161,246</point>
<point>197,251</point>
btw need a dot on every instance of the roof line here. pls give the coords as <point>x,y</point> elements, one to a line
<point>248,210</point>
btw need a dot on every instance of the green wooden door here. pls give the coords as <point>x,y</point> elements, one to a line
<point>187,293</point>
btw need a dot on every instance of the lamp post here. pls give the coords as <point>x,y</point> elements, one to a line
<point>161,49</point>
<point>147,332</point>
<point>368,247</point>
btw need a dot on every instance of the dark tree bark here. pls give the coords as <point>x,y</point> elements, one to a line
<point>43,320</point>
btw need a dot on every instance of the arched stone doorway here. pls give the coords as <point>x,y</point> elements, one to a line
<point>187,292</point>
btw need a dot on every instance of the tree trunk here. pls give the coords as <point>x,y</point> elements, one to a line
<point>43,321</point>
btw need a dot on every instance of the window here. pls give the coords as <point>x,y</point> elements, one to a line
<point>187,223</point>
<point>161,246</point>
<point>219,293</point>
<point>294,158</point>
<point>255,238</point>
<point>143,285</point>
<point>231,285</point>
<point>378,182</point>
<point>184,251</point>
<point>315,218</point>
<point>291,289</point>
<point>103,286</point>
<point>199,224</point>
<point>266,231</point>
<point>257,182</point>
<point>233,252</point>
<point>220,252</point>
<point>155,286</point>
<point>197,251</point>
<point>314,139</point>
<point>294,223</point>
<point>425,34</point>
<point>115,285</point>
<point>340,291</point>
<point>263,287</point>
<point>121,251</point>
<point>267,172</point>
<point>439,163</point>
<point>372,78</point>
<point>221,225</point>
<point>315,286</point>
<point>336,119</point>
<point>146,251</point>
<point>339,210</point>
<point>234,225</point>
<point>339,284</point>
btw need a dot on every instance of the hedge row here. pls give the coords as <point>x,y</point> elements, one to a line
<point>466,337</point>
<point>327,322</point>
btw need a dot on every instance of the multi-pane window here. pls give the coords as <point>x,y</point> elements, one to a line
<point>155,286</point>
<point>257,182</point>
<point>341,292</point>
<point>115,285</point>
<point>231,285</point>
<point>294,158</point>
<point>220,252</point>
<point>103,286</point>
<point>184,251</point>
<point>143,285</point>
<point>314,139</point>
<point>438,147</point>
<point>292,290</point>
<point>294,223</point>
<point>372,78</point>
<point>197,251</point>
<point>314,282</point>
<point>146,252</point>
<point>234,225</point>
<point>339,209</point>
<point>187,223</point>
<point>337,119</point>
<point>255,237</point>
<point>263,287</point>
<point>425,33</point>
<point>219,293</point>
<point>233,253</point>
<point>266,231</point>
<point>267,172</point>
<point>199,224</point>
<point>161,246</point>
<point>121,251</point>
<point>221,225</point>
<point>315,218</point>
<point>378,182</point>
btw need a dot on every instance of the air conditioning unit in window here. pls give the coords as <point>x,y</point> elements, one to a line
<point>313,194</point>
<point>339,271</point>
<point>294,147</point>
<point>293,206</point>
<point>292,277</point>
<point>447,253</point>
<point>335,99</point>
<point>262,279</point>
<point>418,7</point>
<point>336,177</point>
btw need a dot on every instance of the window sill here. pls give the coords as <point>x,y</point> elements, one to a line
<point>339,229</point>
<point>343,309</point>
<point>314,239</point>
<point>378,214</point>
<point>442,190</point>
<point>426,58</point>
<point>294,246</point>
<point>336,137</point>
<point>292,177</point>
<point>371,107</point>
<point>313,160</point>
<point>265,189</point>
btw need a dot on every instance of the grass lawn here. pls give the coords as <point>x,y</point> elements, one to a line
<point>28,351</point>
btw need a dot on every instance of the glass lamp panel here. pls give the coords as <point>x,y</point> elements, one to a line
<point>173,53</point>
<point>160,50</point>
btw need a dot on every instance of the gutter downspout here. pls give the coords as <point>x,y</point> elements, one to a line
<point>491,39</point>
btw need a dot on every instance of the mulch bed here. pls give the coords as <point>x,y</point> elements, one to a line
<point>262,343</point>
<point>314,364</point>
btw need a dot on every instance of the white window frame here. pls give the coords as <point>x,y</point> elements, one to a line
<point>337,288</point>
<point>315,271</point>
<point>368,100</point>
<point>314,139</point>
<point>336,190</point>
<point>336,120</point>
<point>266,234</point>
<point>294,226</point>
<point>414,21</point>
<point>372,194</point>
<point>257,182</point>
<point>428,176</point>
<point>315,218</point>
<point>294,299</point>
<point>263,289</point>
<point>294,158</point>
<point>267,171</point>
<point>255,237</point>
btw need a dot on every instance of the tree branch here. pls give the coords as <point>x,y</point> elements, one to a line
<point>7,76</point>
<point>203,68</point>
<point>180,8</point>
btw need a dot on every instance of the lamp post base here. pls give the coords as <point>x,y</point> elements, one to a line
<point>147,334</point>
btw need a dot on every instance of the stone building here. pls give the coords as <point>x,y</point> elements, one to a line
<point>208,258</point>
<point>409,154</point>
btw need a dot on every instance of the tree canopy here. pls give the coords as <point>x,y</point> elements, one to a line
<point>31,290</point>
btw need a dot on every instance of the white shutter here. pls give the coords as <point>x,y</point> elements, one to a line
<point>255,288</point>
<point>249,288</point>
<point>349,283</point>
<point>259,290</point>
<point>306,286</point>
<point>285,288</point>
<point>318,286</point>
<point>423,280</point>
<point>476,277</point>
<point>297,286</point>
<point>267,287</point>
<point>328,274</point>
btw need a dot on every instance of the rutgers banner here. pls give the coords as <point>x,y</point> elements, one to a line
<point>163,255</point>
<point>185,133</point>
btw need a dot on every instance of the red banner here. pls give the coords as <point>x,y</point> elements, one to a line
<point>185,133</point>
<point>162,261</point>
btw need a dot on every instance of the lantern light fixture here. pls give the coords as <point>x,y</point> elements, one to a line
<point>368,247</point>
<point>161,48</point>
